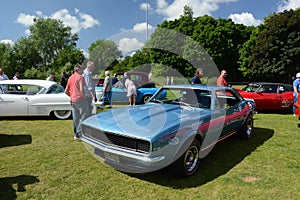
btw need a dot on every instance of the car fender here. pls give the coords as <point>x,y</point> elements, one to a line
<point>185,141</point>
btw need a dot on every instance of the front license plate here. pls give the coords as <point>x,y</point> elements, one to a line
<point>111,157</point>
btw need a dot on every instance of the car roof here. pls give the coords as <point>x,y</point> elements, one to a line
<point>268,83</point>
<point>198,86</point>
<point>42,83</point>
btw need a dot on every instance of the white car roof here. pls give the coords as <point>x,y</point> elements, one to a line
<point>42,83</point>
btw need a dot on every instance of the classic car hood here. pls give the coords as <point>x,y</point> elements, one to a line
<point>145,121</point>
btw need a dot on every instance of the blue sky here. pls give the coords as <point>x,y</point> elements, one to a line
<point>111,19</point>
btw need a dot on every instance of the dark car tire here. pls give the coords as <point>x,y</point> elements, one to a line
<point>187,164</point>
<point>145,99</point>
<point>247,129</point>
<point>61,114</point>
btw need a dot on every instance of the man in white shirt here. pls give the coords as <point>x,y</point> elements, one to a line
<point>2,75</point>
<point>89,89</point>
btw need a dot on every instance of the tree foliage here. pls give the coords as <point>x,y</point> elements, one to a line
<point>222,39</point>
<point>105,54</point>
<point>267,52</point>
<point>50,47</point>
<point>5,59</point>
<point>274,49</point>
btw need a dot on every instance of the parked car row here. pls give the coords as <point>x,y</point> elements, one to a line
<point>174,126</point>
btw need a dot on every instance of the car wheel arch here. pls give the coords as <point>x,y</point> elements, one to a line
<point>190,154</point>
<point>193,139</point>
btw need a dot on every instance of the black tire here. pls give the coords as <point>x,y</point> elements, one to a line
<point>145,99</point>
<point>247,129</point>
<point>187,164</point>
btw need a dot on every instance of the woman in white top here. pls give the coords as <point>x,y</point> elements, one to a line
<point>131,91</point>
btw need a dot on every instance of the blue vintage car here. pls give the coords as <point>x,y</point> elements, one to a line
<point>176,130</point>
<point>119,93</point>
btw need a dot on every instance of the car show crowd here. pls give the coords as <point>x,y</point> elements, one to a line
<point>80,87</point>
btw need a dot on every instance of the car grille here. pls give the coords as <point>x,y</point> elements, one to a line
<point>116,140</point>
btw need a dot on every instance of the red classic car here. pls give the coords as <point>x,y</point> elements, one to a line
<point>269,96</point>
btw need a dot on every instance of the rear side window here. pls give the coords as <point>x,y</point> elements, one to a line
<point>226,99</point>
<point>32,89</point>
<point>12,89</point>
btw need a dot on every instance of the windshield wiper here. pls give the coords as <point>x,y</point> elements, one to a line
<point>181,103</point>
<point>157,101</point>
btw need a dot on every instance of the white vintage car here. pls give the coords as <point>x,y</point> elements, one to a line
<point>33,98</point>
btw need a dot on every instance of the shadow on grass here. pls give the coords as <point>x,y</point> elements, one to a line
<point>219,161</point>
<point>27,118</point>
<point>6,185</point>
<point>14,140</point>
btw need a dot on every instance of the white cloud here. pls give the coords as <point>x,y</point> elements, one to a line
<point>7,41</point>
<point>141,27</point>
<point>76,22</point>
<point>88,21</point>
<point>200,7</point>
<point>129,44</point>
<point>161,4</point>
<point>26,20</point>
<point>143,6</point>
<point>288,4</point>
<point>39,13</point>
<point>245,18</point>
<point>69,20</point>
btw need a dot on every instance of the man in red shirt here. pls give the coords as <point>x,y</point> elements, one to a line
<point>221,81</point>
<point>75,90</point>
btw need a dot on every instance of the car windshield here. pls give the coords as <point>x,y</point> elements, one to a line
<point>183,96</point>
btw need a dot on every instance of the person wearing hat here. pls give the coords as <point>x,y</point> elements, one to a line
<point>296,86</point>
<point>75,90</point>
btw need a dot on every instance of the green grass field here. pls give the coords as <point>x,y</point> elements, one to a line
<point>40,160</point>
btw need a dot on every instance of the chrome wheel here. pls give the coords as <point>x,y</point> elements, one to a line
<point>248,128</point>
<point>145,99</point>
<point>187,164</point>
<point>62,114</point>
<point>191,158</point>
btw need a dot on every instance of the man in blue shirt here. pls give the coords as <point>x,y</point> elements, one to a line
<point>296,86</point>
<point>198,74</point>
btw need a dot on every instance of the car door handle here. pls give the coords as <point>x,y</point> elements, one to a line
<point>25,98</point>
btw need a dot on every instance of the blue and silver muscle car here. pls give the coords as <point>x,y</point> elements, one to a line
<point>176,130</point>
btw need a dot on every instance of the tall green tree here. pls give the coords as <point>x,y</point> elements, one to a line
<point>222,39</point>
<point>49,47</point>
<point>105,54</point>
<point>50,37</point>
<point>6,59</point>
<point>275,53</point>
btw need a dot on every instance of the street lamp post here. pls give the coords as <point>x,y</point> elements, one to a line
<point>146,20</point>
